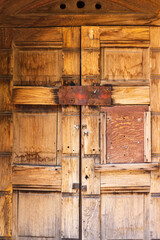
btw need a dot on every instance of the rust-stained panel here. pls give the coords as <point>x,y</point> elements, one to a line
<point>125,134</point>
<point>85,95</point>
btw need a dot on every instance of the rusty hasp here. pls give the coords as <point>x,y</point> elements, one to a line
<point>85,95</point>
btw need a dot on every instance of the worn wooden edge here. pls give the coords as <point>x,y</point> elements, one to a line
<point>125,189</point>
<point>36,177</point>
<point>49,96</point>
<point>126,167</point>
<point>29,20</point>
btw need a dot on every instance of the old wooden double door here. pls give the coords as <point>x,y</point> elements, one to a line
<point>80,172</point>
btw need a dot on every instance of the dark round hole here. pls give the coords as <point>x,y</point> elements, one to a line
<point>63,6</point>
<point>98,6</point>
<point>80,4</point>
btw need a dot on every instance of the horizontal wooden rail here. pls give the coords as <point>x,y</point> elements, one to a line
<point>51,96</point>
<point>127,167</point>
<point>24,176</point>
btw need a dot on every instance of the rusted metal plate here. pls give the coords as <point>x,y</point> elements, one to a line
<point>85,95</point>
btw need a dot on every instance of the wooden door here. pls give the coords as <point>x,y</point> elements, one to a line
<point>79,172</point>
<point>119,169</point>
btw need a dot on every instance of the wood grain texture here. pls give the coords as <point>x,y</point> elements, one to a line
<point>123,179</point>
<point>130,95</point>
<point>30,176</point>
<point>120,34</point>
<point>124,65</point>
<point>90,55</point>
<point>155,134</point>
<point>155,92</point>
<point>35,96</point>
<point>37,66</point>
<point>5,216</point>
<point>5,62</point>
<point>5,95</point>
<point>125,134</point>
<point>5,133</point>
<point>155,216</point>
<point>70,217</point>
<point>126,167</point>
<point>70,173</point>
<point>91,214</point>
<point>123,221</point>
<point>90,178</point>
<point>147,136</point>
<point>5,174</point>
<point>38,215</point>
<point>34,142</point>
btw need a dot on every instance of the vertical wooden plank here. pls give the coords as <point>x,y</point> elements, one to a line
<point>70,137</point>
<point>5,133</point>
<point>147,137</point>
<point>90,136</point>
<point>155,108</point>
<point>103,137</point>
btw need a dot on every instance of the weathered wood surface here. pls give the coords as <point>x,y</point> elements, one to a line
<point>35,142</point>
<point>126,167</point>
<point>30,176</point>
<point>49,96</point>
<point>52,14</point>
<point>125,133</point>
<point>30,208</point>
<point>124,221</point>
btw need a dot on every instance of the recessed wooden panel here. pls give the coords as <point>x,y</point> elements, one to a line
<point>5,173</point>
<point>5,95</point>
<point>70,217</point>
<point>5,216</point>
<point>37,66</point>
<point>124,64</point>
<point>5,62</point>
<point>35,138</point>
<point>123,216</point>
<point>155,216</point>
<point>91,215</point>
<point>125,134</point>
<point>5,133</point>
<point>39,215</point>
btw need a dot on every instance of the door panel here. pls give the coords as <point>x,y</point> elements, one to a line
<point>118,195</point>
<point>46,138</point>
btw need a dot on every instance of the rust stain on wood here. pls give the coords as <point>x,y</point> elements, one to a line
<point>85,95</point>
